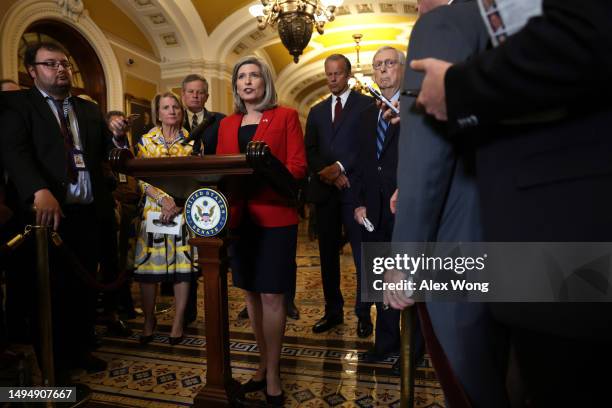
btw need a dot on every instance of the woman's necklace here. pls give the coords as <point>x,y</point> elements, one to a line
<point>168,143</point>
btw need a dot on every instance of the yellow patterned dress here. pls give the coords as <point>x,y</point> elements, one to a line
<point>160,257</point>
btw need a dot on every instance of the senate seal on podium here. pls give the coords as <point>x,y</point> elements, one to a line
<point>206,212</point>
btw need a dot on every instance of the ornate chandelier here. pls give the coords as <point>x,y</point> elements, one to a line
<point>295,19</point>
<point>359,80</point>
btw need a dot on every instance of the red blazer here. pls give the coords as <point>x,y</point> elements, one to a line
<point>280,129</point>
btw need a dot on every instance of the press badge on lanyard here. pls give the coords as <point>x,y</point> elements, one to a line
<point>77,159</point>
<point>77,155</point>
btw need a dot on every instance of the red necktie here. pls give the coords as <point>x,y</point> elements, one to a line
<point>337,110</point>
<point>68,141</point>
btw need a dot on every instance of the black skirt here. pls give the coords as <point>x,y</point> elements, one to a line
<point>263,259</point>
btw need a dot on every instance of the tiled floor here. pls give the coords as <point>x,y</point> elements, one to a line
<point>321,370</point>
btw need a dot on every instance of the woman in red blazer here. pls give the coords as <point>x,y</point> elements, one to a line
<point>263,261</point>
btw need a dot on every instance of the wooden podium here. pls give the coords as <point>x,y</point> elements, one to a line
<point>179,177</point>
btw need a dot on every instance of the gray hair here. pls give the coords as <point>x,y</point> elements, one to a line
<point>192,78</point>
<point>156,101</point>
<point>269,100</point>
<point>401,58</point>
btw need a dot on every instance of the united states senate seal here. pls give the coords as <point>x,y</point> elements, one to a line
<point>206,212</point>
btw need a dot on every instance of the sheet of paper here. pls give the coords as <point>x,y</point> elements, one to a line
<point>154,225</point>
<point>505,17</point>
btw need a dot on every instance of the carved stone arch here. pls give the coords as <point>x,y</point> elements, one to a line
<point>23,13</point>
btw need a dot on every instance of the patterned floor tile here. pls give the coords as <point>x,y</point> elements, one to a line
<point>318,370</point>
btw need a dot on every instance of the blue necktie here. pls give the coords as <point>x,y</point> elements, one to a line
<point>381,131</point>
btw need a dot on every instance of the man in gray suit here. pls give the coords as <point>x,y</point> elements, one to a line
<point>437,200</point>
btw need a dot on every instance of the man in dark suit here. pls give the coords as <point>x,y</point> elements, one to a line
<point>374,181</point>
<point>332,149</point>
<point>203,126</point>
<point>438,202</point>
<point>543,180</point>
<point>53,146</point>
<point>194,95</point>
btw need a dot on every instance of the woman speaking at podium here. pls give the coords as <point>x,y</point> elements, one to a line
<point>263,261</point>
<point>161,257</point>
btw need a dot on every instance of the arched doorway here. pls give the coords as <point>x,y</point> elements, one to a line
<point>88,75</point>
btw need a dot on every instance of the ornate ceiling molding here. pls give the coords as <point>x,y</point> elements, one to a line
<point>180,69</point>
<point>174,28</point>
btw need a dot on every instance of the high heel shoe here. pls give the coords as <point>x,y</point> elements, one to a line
<point>147,339</point>
<point>275,400</point>
<point>253,385</point>
<point>175,340</point>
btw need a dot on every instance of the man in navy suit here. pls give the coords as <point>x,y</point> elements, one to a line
<point>375,180</point>
<point>194,95</point>
<point>332,148</point>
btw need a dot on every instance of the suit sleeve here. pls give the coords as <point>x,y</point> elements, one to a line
<point>296,154</point>
<point>316,161</point>
<point>18,155</point>
<point>557,60</point>
<point>349,159</point>
<point>358,187</point>
<point>425,156</point>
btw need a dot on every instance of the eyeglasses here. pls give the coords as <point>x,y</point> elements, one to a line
<point>387,63</point>
<point>55,64</point>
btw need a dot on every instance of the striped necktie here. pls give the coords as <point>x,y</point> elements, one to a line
<point>381,131</point>
<point>194,121</point>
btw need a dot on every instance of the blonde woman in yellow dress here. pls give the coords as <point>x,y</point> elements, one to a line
<point>160,257</point>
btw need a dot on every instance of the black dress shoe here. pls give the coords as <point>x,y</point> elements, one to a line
<point>364,328</point>
<point>118,328</point>
<point>292,311</point>
<point>327,322</point>
<point>275,400</point>
<point>175,340</point>
<point>244,313</point>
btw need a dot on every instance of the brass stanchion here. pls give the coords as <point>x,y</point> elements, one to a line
<point>83,393</point>
<point>408,369</point>
<point>44,305</point>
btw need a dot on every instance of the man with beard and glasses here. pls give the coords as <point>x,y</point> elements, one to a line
<point>53,146</point>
